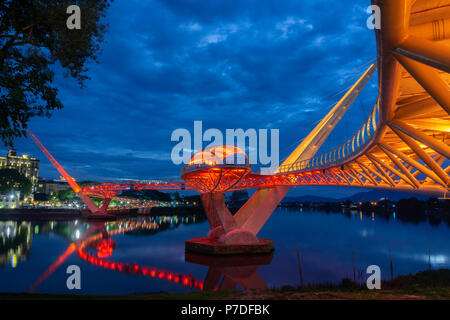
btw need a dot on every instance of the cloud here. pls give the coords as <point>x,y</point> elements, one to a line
<point>232,64</point>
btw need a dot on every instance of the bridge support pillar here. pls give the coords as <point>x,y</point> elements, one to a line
<point>237,234</point>
<point>100,212</point>
<point>105,205</point>
<point>224,228</point>
<point>214,223</point>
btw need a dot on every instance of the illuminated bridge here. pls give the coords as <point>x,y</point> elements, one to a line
<point>403,145</point>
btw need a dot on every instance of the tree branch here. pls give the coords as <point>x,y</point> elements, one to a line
<point>8,43</point>
<point>29,26</point>
<point>11,42</point>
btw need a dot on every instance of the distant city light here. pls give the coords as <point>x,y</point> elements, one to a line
<point>14,261</point>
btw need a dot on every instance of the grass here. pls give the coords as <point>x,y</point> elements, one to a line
<point>432,284</point>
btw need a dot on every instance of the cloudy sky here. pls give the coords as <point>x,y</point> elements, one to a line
<point>232,64</point>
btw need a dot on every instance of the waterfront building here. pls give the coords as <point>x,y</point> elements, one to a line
<point>49,186</point>
<point>26,165</point>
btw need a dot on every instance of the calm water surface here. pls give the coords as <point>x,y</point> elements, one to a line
<point>147,254</point>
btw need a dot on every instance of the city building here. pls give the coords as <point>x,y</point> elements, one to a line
<point>26,165</point>
<point>49,186</point>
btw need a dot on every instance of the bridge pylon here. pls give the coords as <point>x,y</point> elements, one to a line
<point>93,211</point>
<point>237,234</point>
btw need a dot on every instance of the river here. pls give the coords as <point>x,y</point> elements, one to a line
<point>146,254</point>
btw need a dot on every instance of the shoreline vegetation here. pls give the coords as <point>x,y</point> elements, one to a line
<point>431,284</point>
<point>407,210</point>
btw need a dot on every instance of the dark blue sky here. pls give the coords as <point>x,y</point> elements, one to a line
<point>232,64</point>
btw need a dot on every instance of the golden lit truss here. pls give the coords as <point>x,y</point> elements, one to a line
<point>404,144</point>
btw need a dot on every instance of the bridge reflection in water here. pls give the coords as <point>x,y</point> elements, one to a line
<point>227,272</point>
<point>97,246</point>
<point>326,241</point>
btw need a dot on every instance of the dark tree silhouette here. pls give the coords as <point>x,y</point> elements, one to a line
<point>34,37</point>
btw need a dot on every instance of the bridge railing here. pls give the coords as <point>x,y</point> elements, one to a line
<point>154,181</point>
<point>344,151</point>
<point>154,184</point>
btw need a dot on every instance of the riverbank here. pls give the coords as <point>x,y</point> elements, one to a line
<point>427,285</point>
<point>40,214</point>
<point>432,284</point>
<point>58,214</point>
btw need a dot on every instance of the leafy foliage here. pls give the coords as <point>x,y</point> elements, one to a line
<point>34,40</point>
<point>12,180</point>
<point>64,195</point>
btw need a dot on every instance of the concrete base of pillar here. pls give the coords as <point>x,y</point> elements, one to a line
<point>215,233</point>
<point>238,236</point>
<point>213,246</point>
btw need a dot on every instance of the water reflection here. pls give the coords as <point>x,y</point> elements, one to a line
<point>147,254</point>
<point>94,249</point>
<point>93,243</point>
<point>15,245</point>
<point>226,273</point>
<point>17,237</point>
